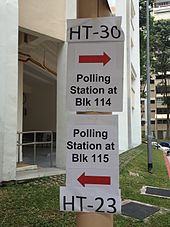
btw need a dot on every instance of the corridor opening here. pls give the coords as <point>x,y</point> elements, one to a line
<point>37,100</point>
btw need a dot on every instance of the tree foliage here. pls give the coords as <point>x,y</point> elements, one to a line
<point>161,61</point>
<point>143,37</point>
<point>159,54</point>
<point>161,46</point>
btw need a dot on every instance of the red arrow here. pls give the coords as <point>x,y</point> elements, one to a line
<point>105,180</point>
<point>94,58</point>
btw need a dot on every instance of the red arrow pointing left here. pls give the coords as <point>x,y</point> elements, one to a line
<point>102,180</point>
<point>94,58</point>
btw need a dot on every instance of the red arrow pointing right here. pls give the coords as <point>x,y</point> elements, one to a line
<point>103,180</point>
<point>94,58</point>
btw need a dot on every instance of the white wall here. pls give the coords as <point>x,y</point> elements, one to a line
<point>61,107</point>
<point>8,88</point>
<point>121,10</point>
<point>161,13</point>
<point>129,119</point>
<point>62,113</point>
<point>20,107</point>
<point>136,113</point>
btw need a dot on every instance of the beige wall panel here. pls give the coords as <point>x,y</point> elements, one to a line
<point>153,106</point>
<point>92,8</point>
<point>152,127</point>
<point>161,127</point>
<point>152,115</point>
<point>42,16</point>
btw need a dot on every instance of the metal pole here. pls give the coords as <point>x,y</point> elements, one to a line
<point>51,151</point>
<point>19,142</point>
<point>94,219</point>
<point>98,8</point>
<point>34,148</point>
<point>149,135</point>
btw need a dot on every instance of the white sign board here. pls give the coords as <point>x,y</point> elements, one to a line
<point>92,158</point>
<point>95,29</point>
<point>92,151</point>
<point>91,200</point>
<point>95,65</point>
<point>94,83</point>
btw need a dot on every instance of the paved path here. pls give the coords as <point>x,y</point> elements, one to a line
<point>37,173</point>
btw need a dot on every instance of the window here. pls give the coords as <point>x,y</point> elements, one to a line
<point>162,121</point>
<point>143,122</point>
<point>162,4</point>
<point>159,99</point>
<point>160,134</point>
<point>161,89</point>
<point>161,110</point>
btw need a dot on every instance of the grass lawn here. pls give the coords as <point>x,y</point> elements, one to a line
<point>36,203</point>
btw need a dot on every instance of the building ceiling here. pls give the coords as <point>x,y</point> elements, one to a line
<point>39,51</point>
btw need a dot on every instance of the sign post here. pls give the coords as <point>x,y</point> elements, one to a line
<point>94,83</point>
<point>95,220</point>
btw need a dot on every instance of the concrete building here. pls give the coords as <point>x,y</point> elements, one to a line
<point>33,78</point>
<point>161,10</point>
<point>153,110</point>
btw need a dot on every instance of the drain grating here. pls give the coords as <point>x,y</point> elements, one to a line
<point>154,191</point>
<point>138,210</point>
<point>158,191</point>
